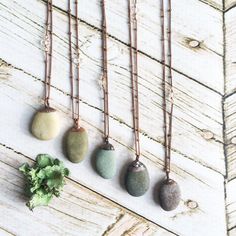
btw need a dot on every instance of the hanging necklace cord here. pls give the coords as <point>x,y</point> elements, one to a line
<point>48,52</point>
<point>132,8</point>
<point>105,73</point>
<point>75,99</point>
<point>167,86</point>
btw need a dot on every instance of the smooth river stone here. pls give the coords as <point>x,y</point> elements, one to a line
<point>106,161</point>
<point>137,179</point>
<point>76,144</point>
<point>169,195</point>
<point>46,124</point>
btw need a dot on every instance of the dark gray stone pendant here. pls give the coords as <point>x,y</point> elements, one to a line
<point>106,161</point>
<point>169,195</point>
<point>137,179</point>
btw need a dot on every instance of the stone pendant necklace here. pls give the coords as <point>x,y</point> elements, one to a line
<point>169,192</point>
<point>137,177</point>
<point>46,124</point>
<point>105,155</point>
<point>77,137</point>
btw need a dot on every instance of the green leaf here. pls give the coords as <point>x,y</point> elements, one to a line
<point>44,180</point>
<point>24,168</point>
<point>43,160</point>
<point>40,198</point>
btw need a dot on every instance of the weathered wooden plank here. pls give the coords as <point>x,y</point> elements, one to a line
<point>202,188</point>
<point>206,61</point>
<point>230,129</point>
<point>196,160</point>
<point>78,211</point>
<point>229,4</point>
<point>230,56</point>
<point>231,207</point>
<point>193,113</point>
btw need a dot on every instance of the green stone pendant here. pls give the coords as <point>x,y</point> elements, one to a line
<point>169,195</point>
<point>76,144</point>
<point>46,124</point>
<point>106,161</point>
<point>137,179</point>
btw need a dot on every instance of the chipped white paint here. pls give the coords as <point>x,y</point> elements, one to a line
<point>198,162</point>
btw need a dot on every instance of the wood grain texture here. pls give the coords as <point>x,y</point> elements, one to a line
<point>229,4</point>
<point>230,56</point>
<point>202,69</point>
<point>78,211</point>
<point>230,111</point>
<point>198,162</point>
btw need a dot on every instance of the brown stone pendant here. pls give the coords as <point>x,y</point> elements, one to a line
<point>76,144</point>
<point>169,195</point>
<point>46,124</point>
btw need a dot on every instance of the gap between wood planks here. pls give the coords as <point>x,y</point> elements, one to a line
<point>119,217</point>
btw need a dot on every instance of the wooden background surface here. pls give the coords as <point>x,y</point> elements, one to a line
<point>204,147</point>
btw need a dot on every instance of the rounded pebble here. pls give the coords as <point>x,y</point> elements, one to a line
<point>106,161</point>
<point>76,144</point>
<point>137,179</point>
<point>169,195</point>
<point>46,124</point>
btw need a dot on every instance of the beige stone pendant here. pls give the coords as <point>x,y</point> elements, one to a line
<point>76,144</point>
<point>46,124</point>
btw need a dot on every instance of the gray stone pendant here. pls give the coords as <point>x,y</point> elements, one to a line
<point>46,124</point>
<point>169,195</point>
<point>137,179</point>
<point>76,144</point>
<point>106,161</point>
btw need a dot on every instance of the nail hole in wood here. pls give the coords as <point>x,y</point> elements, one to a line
<point>194,43</point>
<point>233,140</point>
<point>192,204</point>
<point>207,134</point>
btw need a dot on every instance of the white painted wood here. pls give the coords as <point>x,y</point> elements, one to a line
<point>198,156</point>
<point>78,211</point>
<point>229,4</point>
<point>230,17</point>
<point>231,207</point>
<point>208,72</point>
<point>230,117</point>
<point>207,194</point>
<point>191,106</point>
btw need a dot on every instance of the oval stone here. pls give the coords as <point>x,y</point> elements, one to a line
<point>169,195</point>
<point>76,144</point>
<point>137,179</point>
<point>106,161</point>
<point>46,124</point>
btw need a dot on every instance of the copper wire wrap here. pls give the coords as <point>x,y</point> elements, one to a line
<point>168,103</point>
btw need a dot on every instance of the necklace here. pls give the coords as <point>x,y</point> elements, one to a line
<point>45,124</point>
<point>169,193</point>
<point>105,156</point>
<point>137,177</point>
<point>77,137</point>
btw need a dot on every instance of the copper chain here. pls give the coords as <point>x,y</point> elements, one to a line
<point>105,73</point>
<point>133,35</point>
<point>75,98</point>
<point>48,52</point>
<point>167,86</point>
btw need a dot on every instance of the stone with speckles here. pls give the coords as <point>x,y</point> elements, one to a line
<point>106,161</point>
<point>169,195</point>
<point>46,124</point>
<point>137,179</point>
<point>76,144</point>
